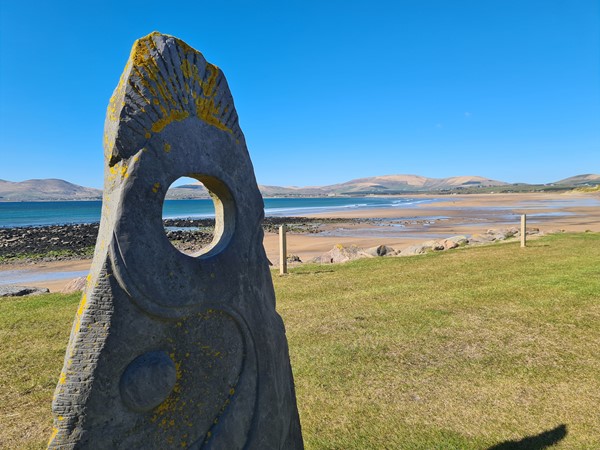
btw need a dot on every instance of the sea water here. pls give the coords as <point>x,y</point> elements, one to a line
<point>23,214</point>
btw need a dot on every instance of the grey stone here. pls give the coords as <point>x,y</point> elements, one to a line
<point>430,244</point>
<point>433,245</point>
<point>380,250</point>
<point>448,245</point>
<point>481,238</point>
<point>438,246</point>
<point>147,381</point>
<point>169,350</point>
<point>511,232</point>
<point>414,250</point>
<point>341,253</point>
<point>455,241</point>
<point>293,259</point>
<point>11,290</point>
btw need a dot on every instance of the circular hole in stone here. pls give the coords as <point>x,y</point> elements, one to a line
<point>198,215</point>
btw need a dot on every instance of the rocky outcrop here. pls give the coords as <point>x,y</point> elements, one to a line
<point>55,241</point>
<point>73,241</point>
<point>341,253</point>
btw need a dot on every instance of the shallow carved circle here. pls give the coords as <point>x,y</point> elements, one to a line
<point>147,381</point>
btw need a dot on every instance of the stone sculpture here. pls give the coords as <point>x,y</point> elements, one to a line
<point>169,350</point>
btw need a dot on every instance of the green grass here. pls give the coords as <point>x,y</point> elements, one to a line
<point>462,349</point>
<point>34,332</point>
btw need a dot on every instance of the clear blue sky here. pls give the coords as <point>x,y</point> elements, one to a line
<point>326,91</point>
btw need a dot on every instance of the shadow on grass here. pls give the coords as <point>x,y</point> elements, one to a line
<point>537,442</point>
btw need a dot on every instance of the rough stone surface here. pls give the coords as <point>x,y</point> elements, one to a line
<point>169,350</point>
<point>481,238</point>
<point>340,254</point>
<point>380,250</point>
<point>455,241</point>
<point>11,290</point>
<point>75,285</point>
<point>293,259</point>
<point>414,250</point>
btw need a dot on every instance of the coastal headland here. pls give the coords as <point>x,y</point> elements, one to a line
<point>68,248</point>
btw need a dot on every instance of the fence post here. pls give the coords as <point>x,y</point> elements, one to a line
<point>523,230</point>
<point>282,250</point>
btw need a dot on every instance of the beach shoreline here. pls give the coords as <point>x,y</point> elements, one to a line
<point>396,227</point>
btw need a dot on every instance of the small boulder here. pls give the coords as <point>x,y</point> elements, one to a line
<point>449,244</point>
<point>455,241</point>
<point>438,246</point>
<point>511,232</point>
<point>11,290</point>
<point>341,253</point>
<point>481,239</point>
<point>414,250</point>
<point>293,259</point>
<point>75,285</point>
<point>380,250</point>
<point>433,245</point>
<point>429,244</point>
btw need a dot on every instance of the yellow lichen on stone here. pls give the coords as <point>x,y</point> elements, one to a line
<point>82,305</point>
<point>140,52</point>
<point>53,435</point>
<point>119,170</point>
<point>167,147</point>
<point>80,310</point>
<point>205,104</point>
<point>149,96</point>
<point>156,187</point>
<point>173,116</point>
<point>204,91</point>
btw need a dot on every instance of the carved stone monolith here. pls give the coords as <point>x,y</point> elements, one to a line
<point>169,350</point>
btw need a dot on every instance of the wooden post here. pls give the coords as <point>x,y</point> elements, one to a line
<point>523,230</point>
<point>282,250</point>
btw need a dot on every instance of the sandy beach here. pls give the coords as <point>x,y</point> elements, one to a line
<point>456,215</point>
<point>394,227</point>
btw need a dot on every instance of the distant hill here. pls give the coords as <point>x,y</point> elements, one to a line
<point>45,190</point>
<point>187,192</point>
<point>587,179</point>
<point>55,190</point>
<point>397,184</point>
<point>386,184</point>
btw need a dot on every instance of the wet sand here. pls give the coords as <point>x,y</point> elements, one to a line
<point>399,228</point>
<point>456,215</point>
<point>52,275</point>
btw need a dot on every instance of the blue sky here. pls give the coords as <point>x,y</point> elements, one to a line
<point>326,91</point>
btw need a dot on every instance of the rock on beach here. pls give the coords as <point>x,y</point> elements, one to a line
<point>341,253</point>
<point>11,290</point>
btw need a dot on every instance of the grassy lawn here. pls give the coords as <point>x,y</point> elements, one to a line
<point>464,349</point>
